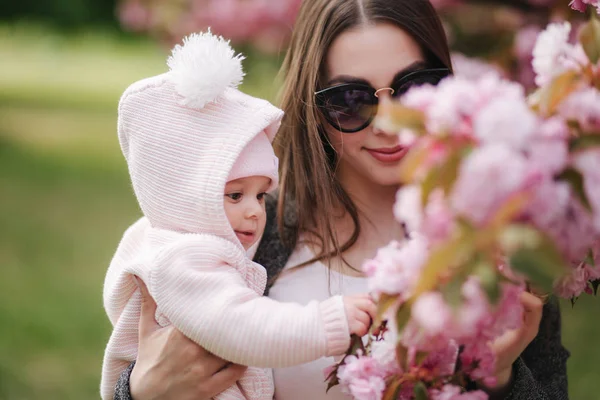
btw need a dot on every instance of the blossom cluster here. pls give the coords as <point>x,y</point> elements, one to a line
<point>265,23</point>
<point>501,195</point>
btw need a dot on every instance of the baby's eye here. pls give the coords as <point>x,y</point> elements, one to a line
<point>261,196</point>
<point>234,196</point>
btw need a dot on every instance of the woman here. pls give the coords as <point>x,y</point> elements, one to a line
<point>334,209</point>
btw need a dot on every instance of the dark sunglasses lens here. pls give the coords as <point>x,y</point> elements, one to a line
<point>419,79</point>
<point>349,109</point>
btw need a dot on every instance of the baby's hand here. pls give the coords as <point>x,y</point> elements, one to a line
<point>360,312</point>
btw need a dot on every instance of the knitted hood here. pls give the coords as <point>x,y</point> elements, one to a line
<point>181,133</point>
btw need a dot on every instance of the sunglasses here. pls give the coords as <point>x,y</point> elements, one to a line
<point>351,107</point>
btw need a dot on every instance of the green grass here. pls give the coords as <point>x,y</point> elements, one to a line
<point>61,220</point>
<point>65,200</point>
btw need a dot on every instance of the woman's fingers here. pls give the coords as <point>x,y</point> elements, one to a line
<point>223,379</point>
<point>509,346</point>
<point>533,308</point>
<point>211,364</point>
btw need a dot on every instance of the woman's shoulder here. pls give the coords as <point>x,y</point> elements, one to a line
<point>272,253</point>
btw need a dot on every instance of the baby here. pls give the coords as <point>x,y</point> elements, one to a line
<point>200,158</point>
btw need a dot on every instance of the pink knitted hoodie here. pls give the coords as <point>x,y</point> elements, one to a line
<point>181,133</point>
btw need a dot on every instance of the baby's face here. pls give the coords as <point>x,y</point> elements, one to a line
<point>244,204</point>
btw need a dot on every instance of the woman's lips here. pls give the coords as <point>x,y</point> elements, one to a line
<point>246,237</point>
<point>388,154</point>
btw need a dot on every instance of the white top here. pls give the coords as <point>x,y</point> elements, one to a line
<point>303,285</point>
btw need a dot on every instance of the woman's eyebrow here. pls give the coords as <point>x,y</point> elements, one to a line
<point>415,66</point>
<point>347,79</point>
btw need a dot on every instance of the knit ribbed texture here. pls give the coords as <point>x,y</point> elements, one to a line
<point>257,159</point>
<point>184,248</point>
<point>336,328</point>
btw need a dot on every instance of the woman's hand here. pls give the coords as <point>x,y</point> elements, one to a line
<point>509,346</point>
<point>171,366</point>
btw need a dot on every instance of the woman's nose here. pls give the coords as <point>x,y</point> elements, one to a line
<point>386,102</point>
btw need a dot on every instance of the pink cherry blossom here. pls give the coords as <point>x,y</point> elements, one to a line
<point>583,107</point>
<point>478,360</point>
<point>396,267</point>
<point>574,283</point>
<point>548,152</point>
<point>362,377</point>
<point>384,353</point>
<point>432,313</point>
<point>447,106</point>
<point>553,54</point>
<point>524,43</point>
<point>487,178</point>
<point>443,360</point>
<point>558,213</point>
<point>581,5</point>
<point>134,15</point>
<point>588,163</point>
<point>491,124</point>
<point>439,221</point>
<point>451,106</point>
<point>407,208</point>
<point>492,87</point>
<point>451,392</point>
<point>472,68</point>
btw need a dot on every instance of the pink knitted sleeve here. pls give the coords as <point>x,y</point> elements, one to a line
<point>209,301</point>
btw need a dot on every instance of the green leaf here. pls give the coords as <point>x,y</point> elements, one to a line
<point>421,391</point>
<point>452,292</point>
<point>412,161</point>
<point>573,301</point>
<point>420,357</point>
<point>384,303</point>
<point>584,142</point>
<point>507,212</point>
<point>595,285</point>
<point>589,37</point>
<point>488,276</point>
<point>589,257</point>
<point>533,254</point>
<point>402,355</point>
<point>553,94</point>
<point>449,173</point>
<point>356,344</point>
<point>395,117</point>
<point>431,181</point>
<point>402,316</point>
<point>392,388</point>
<point>443,176</point>
<point>516,236</point>
<point>541,265</point>
<point>448,255</point>
<point>332,379</point>
<point>575,179</point>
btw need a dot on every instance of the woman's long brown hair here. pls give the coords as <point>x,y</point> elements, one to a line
<point>308,188</point>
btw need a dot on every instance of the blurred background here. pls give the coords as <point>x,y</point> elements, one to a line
<point>65,197</point>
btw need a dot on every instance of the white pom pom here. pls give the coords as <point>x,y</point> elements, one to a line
<point>203,67</point>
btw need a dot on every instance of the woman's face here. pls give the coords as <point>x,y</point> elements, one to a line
<point>375,54</point>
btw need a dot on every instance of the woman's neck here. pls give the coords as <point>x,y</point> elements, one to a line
<point>378,226</point>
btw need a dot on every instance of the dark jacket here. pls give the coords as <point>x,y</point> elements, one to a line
<point>539,374</point>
